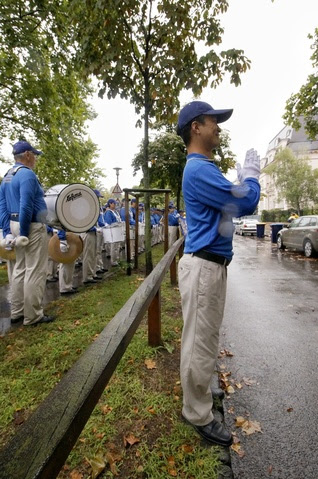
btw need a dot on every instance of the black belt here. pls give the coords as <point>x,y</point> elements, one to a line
<point>215,258</point>
<point>15,217</point>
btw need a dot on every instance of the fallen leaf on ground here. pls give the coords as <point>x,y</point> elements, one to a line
<point>237,448</point>
<point>97,464</point>
<point>248,427</point>
<point>112,458</point>
<point>290,409</point>
<point>230,390</point>
<point>225,353</point>
<point>76,474</point>
<point>187,448</point>
<point>106,409</point>
<point>150,364</point>
<point>130,440</point>
<point>248,381</point>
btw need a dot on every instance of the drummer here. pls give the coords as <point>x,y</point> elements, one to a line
<point>111,217</point>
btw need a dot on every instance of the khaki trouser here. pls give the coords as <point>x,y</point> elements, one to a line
<point>66,272</point>
<point>172,234</point>
<point>99,249</point>
<point>89,255</point>
<point>29,274</point>
<point>202,287</point>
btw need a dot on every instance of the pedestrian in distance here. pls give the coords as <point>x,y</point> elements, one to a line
<point>211,201</point>
<point>22,216</point>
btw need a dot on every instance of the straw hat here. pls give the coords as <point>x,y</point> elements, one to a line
<point>75,244</point>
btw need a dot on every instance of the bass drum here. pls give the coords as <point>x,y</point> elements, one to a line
<point>73,207</point>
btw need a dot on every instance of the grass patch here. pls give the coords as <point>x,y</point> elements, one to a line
<point>134,431</point>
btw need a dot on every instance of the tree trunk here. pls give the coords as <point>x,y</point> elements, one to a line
<point>145,169</point>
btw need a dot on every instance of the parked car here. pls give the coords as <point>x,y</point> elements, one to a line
<point>301,235</point>
<point>246,227</point>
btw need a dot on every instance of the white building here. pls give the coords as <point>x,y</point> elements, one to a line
<point>298,142</point>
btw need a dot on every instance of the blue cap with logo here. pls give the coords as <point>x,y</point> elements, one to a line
<point>23,146</point>
<point>197,108</point>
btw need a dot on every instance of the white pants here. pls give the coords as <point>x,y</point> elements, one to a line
<point>202,287</point>
<point>172,232</point>
<point>99,249</point>
<point>29,274</point>
<point>89,255</point>
<point>51,264</point>
<point>66,272</point>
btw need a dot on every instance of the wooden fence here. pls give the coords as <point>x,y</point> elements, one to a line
<point>42,444</point>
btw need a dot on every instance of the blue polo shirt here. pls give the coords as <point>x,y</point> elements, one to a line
<point>21,193</point>
<point>211,203</point>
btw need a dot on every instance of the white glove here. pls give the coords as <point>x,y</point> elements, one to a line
<point>22,241</point>
<point>251,169</point>
<point>64,247</point>
<point>9,242</point>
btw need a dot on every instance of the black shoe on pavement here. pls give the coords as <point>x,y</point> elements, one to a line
<point>71,291</point>
<point>17,320</point>
<point>44,319</point>
<point>90,281</point>
<point>217,393</point>
<point>52,280</point>
<point>97,278</point>
<point>214,433</point>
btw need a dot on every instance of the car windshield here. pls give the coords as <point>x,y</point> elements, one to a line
<point>295,223</point>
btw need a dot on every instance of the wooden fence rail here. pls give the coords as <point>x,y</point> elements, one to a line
<point>42,444</point>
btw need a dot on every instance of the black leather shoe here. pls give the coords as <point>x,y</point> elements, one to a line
<point>100,271</point>
<point>44,319</point>
<point>97,278</point>
<point>90,281</point>
<point>71,291</point>
<point>17,320</point>
<point>214,433</point>
<point>52,280</point>
<point>217,393</point>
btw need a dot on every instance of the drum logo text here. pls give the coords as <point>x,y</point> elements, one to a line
<point>73,196</point>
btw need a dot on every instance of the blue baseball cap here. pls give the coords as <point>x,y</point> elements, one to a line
<point>23,146</point>
<point>98,194</point>
<point>110,201</point>
<point>197,108</point>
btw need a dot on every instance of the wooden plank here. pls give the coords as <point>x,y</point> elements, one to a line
<point>42,444</point>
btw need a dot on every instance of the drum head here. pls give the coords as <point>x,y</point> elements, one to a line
<point>76,207</point>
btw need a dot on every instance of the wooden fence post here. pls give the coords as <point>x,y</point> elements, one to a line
<point>154,321</point>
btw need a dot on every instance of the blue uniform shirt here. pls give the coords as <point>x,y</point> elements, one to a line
<point>21,193</point>
<point>211,203</point>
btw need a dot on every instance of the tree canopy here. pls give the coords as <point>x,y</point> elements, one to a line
<point>305,102</point>
<point>43,96</point>
<point>294,178</point>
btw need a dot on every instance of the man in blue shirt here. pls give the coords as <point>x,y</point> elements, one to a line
<point>22,216</point>
<point>211,201</point>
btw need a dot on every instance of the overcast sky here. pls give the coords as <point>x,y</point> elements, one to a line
<point>274,36</point>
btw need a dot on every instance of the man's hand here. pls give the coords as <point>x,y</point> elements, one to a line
<point>22,241</point>
<point>64,247</point>
<point>251,169</point>
<point>9,242</point>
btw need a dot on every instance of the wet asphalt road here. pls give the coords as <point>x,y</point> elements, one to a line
<point>271,327</point>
